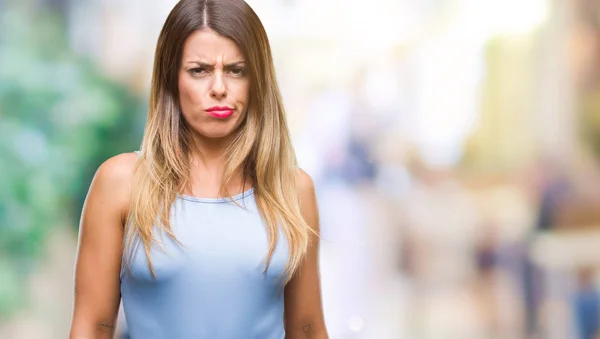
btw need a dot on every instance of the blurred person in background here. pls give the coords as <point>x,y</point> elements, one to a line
<point>487,266</point>
<point>211,230</point>
<point>553,190</point>
<point>586,305</point>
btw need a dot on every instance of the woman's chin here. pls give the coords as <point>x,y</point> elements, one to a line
<point>216,134</point>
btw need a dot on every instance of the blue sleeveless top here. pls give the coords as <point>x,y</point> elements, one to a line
<point>214,286</point>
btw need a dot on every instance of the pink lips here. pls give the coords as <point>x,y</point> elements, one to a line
<point>220,112</point>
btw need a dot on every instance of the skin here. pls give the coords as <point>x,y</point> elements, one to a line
<point>212,73</point>
<point>97,285</point>
<point>303,310</point>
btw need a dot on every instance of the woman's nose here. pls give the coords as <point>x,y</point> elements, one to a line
<point>218,89</point>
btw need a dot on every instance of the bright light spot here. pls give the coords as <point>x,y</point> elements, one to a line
<point>513,17</point>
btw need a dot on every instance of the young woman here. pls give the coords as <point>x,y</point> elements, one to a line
<point>211,230</point>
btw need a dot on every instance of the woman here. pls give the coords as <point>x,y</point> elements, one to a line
<point>211,231</point>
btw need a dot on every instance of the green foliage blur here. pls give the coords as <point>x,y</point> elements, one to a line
<point>59,119</point>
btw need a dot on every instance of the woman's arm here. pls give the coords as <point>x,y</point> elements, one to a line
<point>98,263</point>
<point>303,307</point>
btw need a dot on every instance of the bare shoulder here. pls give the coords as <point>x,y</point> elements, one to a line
<point>304,184</point>
<point>118,169</point>
<point>308,199</point>
<point>112,181</point>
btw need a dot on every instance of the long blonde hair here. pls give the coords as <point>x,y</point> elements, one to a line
<point>261,147</point>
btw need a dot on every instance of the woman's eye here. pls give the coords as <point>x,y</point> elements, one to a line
<point>237,71</point>
<point>197,71</point>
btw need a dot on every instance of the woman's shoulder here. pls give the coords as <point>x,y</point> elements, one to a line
<point>118,169</point>
<point>115,174</point>
<point>304,185</point>
<point>303,181</point>
<point>109,193</point>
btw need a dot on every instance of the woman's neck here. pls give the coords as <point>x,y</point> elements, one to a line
<point>208,166</point>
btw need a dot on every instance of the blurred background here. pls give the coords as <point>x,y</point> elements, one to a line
<point>455,146</point>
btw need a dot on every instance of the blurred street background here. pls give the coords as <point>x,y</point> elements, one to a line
<point>455,146</point>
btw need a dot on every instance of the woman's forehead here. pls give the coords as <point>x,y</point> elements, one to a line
<point>209,47</point>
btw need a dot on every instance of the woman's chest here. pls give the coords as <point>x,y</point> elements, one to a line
<point>222,242</point>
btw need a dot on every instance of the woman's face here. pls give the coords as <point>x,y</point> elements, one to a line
<point>213,85</point>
